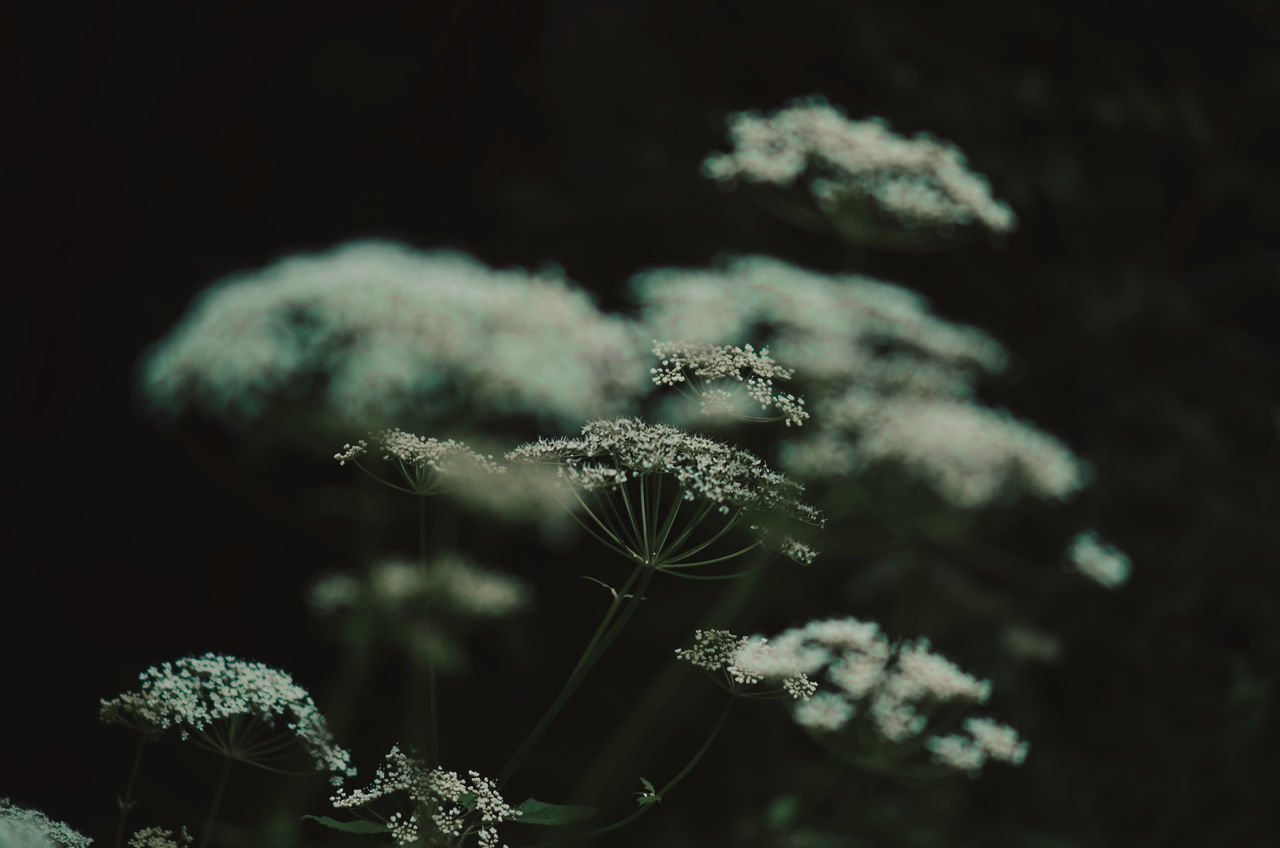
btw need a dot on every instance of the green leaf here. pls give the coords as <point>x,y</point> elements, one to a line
<point>648,787</point>
<point>538,812</point>
<point>349,827</point>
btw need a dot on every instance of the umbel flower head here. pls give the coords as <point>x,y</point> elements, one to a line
<point>894,686</point>
<point>375,330</point>
<point>230,706</point>
<point>23,828</point>
<point>424,463</point>
<point>918,182</point>
<point>890,384</point>
<point>159,837</point>
<point>456,807</point>
<point>698,366</point>
<point>619,455</point>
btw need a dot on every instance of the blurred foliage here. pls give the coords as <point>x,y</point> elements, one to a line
<point>162,145</point>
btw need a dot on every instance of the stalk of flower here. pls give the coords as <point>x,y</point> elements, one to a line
<point>245,711</point>
<point>625,464</point>
<point>425,465</point>
<point>444,807</point>
<point>694,368</point>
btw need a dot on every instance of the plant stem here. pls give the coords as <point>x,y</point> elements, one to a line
<point>606,632</point>
<point>127,801</point>
<point>670,784</point>
<point>429,669</point>
<point>218,792</point>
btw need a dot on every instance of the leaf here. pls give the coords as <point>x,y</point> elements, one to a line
<point>349,827</point>
<point>538,812</point>
<point>648,787</point>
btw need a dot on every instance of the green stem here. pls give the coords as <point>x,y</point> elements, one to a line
<point>218,792</point>
<point>429,670</point>
<point>661,691</point>
<point>670,784</point>
<point>127,801</point>
<point>606,632</point>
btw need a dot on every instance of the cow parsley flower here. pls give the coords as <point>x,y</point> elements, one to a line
<point>231,706</point>
<point>1099,562</point>
<point>627,462</point>
<point>423,463</point>
<point>374,330</point>
<point>159,837</point>
<point>919,182</point>
<point>25,828</point>
<point>889,383</point>
<point>893,687</point>
<point>694,368</point>
<point>746,661</point>
<point>457,807</point>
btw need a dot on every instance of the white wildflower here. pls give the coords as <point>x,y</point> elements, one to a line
<point>957,751</point>
<point>423,462</point>
<point>919,181</point>
<point>699,365</point>
<point>377,330</point>
<point>159,837</point>
<point>193,694</point>
<point>25,828</point>
<point>826,711</point>
<point>1099,562</point>
<point>999,741</point>
<point>457,806</point>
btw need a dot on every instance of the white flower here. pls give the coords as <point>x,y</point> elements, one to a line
<point>826,711</point>
<point>957,751</point>
<point>699,364</point>
<point>24,828</point>
<point>919,181</point>
<point>1099,562</point>
<point>194,693</point>
<point>159,837</point>
<point>381,330</point>
<point>457,806</point>
<point>999,741</point>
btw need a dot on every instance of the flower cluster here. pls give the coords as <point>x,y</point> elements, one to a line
<point>457,807</point>
<point>609,451</point>
<point>422,461</point>
<point>919,181</point>
<point>698,364</point>
<point>889,683</point>
<point>460,585</point>
<point>159,837</point>
<point>374,330</point>
<point>194,693</point>
<point>24,828</point>
<point>1099,562</point>
<point>744,660</point>
<point>888,381</point>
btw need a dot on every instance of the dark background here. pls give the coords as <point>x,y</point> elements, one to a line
<point>160,146</point>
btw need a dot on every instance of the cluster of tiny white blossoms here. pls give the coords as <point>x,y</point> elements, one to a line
<point>744,660</point>
<point>919,181</point>
<point>866,672</point>
<point>159,837</point>
<point>459,585</point>
<point>375,329</point>
<point>194,692</point>
<point>421,460</point>
<point>610,451</point>
<point>25,828</point>
<point>887,380</point>
<point>1099,562</point>
<point>456,806</point>
<point>698,364</point>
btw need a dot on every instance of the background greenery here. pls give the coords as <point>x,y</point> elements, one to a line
<point>163,145</point>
